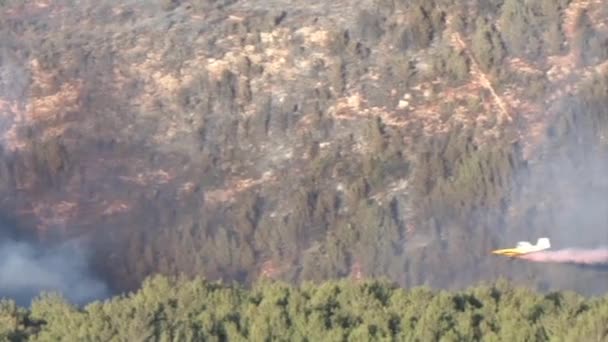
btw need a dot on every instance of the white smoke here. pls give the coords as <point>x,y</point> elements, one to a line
<point>27,270</point>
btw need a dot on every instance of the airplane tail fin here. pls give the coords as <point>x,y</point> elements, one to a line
<point>543,243</point>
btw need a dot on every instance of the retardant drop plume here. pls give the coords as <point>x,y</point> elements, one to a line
<point>571,256</point>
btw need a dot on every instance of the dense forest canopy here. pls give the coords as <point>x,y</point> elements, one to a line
<point>305,142</point>
<point>197,310</point>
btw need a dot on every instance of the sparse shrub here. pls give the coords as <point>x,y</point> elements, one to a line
<point>487,45</point>
<point>369,26</point>
<point>339,42</point>
<point>202,5</point>
<point>554,38</point>
<point>337,77</point>
<point>532,28</point>
<point>459,23</point>
<point>419,32</point>
<point>168,5</point>
<point>515,26</point>
<point>401,70</point>
<point>454,64</point>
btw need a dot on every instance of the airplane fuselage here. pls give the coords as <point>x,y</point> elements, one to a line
<point>524,247</point>
<point>511,252</point>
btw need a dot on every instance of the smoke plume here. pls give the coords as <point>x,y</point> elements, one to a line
<point>27,270</point>
<point>571,256</point>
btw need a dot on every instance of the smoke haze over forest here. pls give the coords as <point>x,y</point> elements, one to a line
<point>27,269</point>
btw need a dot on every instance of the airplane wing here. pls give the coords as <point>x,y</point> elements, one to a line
<point>510,252</point>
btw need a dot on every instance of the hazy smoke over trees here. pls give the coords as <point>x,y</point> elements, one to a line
<point>563,191</point>
<point>26,270</point>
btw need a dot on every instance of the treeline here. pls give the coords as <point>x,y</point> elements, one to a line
<point>198,310</point>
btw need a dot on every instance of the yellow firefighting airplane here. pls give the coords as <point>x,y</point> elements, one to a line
<point>524,247</point>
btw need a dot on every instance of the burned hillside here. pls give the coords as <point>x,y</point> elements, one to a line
<point>307,141</point>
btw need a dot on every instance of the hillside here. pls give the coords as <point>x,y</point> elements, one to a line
<point>307,140</point>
